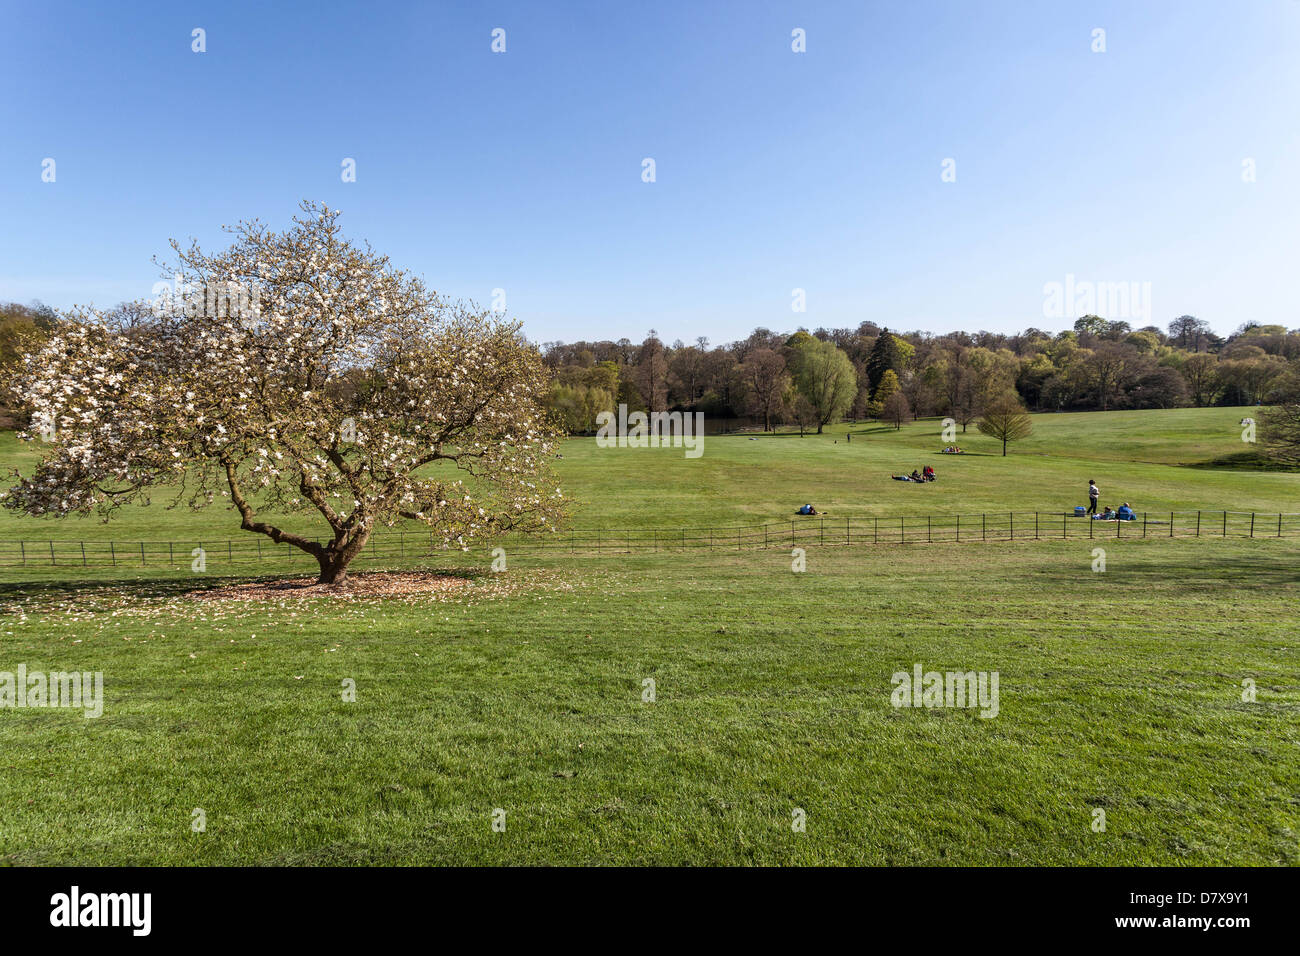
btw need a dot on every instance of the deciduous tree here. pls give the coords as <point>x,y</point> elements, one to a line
<point>350,392</point>
<point>766,383</point>
<point>825,376</point>
<point>896,410</point>
<point>1006,420</point>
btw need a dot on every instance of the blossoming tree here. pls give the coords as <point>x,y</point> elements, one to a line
<point>295,372</point>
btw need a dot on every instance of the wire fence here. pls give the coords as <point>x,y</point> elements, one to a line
<point>803,530</point>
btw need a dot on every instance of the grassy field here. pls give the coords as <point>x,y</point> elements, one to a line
<point>1120,691</point>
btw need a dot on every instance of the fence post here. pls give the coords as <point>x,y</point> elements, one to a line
<point>141,554</point>
<point>1091,524</point>
<point>959,527</point>
<point>984,527</point>
<point>1011,518</point>
<point>1252,524</point>
<point>1171,524</point>
<point>848,537</point>
<point>230,558</point>
<point>823,535</point>
<point>52,561</point>
<point>1279,524</point>
<point>1064,519</point>
<point>876,538</point>
<point>171,558</point>
<point>1144,524</point>
<point>1198,524</point>
<point>22,549</point>
<point>902,534</point>
<point>928,537</point>
<point>83,550</point>
<point>792,533</point>
<point>112,551</point>
<point>1035,525</point>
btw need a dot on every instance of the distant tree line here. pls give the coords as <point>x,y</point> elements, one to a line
<point>811,379</point>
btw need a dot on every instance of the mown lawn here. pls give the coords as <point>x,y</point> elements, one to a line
<point>1134,456</point>
<point>1120,691</point>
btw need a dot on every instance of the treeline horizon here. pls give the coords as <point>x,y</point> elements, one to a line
<point>813,378</point>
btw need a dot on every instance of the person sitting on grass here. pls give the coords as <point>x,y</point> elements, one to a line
<point>927,473</point>
<point>1107,515</point>
<point>807,510</point>
<point>1126,513</point>
<point>916,475</point>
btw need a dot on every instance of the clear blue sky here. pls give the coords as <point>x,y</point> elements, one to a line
<point>775,170</point>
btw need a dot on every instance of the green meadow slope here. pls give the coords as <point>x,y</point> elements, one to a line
<point>1162,691</point>
<point>1140,457</point>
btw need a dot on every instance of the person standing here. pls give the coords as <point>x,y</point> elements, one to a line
<point>1094,493</point>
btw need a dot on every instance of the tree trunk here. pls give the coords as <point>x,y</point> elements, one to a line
<point>332,568</point>
<point>335,557</point>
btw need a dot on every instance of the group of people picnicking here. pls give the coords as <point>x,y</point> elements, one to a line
<point>925,474</point>
<point>1125,511</point>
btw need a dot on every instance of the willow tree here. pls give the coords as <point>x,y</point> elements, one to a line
<point>295,372</point>
<point>824,375</point>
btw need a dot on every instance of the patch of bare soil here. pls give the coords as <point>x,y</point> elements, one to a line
<point>369,584</point>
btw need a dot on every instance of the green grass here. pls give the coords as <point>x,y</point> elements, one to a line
<point>1134,456</point>
<point>1119,690</point>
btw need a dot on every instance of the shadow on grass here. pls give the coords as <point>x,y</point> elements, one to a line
<point>1252,460</point>
<point>1157,573</point>
<point>148,588</point>
<point>835,433</point>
